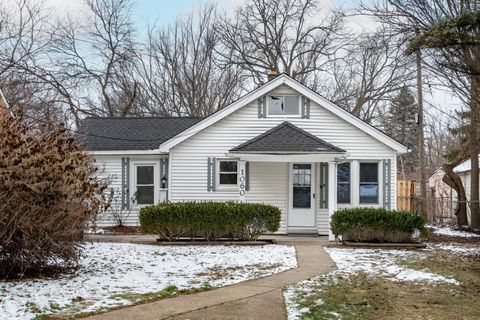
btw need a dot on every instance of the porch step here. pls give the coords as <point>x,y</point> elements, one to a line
<point>301,232</point>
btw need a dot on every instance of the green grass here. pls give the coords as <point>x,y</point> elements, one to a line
<point>170,291</point>
<point>361,297</point>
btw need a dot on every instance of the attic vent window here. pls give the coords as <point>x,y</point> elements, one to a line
<point>283,105</point>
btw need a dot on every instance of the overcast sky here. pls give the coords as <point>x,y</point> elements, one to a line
<point>163,12</point>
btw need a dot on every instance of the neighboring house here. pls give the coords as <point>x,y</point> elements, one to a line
<point>280,144</point>
<point>464,172</point>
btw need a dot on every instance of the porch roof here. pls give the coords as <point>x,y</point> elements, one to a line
<point>286,139</point>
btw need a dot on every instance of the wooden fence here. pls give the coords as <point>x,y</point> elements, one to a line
<point>405,195</point>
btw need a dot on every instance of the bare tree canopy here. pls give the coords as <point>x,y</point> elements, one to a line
<point>180,70</point>
<point>368,75</point>
<point>281,35</point>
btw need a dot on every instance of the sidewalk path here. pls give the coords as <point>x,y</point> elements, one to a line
<point>255,299</point>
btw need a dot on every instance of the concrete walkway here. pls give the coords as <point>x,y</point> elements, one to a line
<point>255,299</point>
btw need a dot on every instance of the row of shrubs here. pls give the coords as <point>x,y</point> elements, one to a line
<point>247,221</point>
<point>210,220</point>
<point>376,224</point>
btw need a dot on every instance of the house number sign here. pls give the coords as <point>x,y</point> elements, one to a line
<point>241,179</point>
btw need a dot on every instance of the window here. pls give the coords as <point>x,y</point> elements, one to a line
<point>283,105</point>
<point>145,185</point>
<point>368,182</point>
<point>228,172</point>
<point>343,182</point>
<point>302,177</point>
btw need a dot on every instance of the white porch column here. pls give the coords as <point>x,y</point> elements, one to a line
<point>332,195</point>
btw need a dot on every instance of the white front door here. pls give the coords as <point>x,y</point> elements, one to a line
<point>301,195</point>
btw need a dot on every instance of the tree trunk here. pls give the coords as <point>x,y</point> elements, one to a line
<point>474,150</point>
<point>421,140</point>
<point>453,180</point>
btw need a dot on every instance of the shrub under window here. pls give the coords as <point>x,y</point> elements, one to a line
<point>376,224</point>
<point>210,220</point>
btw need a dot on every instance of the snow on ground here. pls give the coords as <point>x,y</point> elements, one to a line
<point>110,269</point>
<point>373,262</point>
<point>378,262</point>
<point>445,231</point>
<point>455,248</point>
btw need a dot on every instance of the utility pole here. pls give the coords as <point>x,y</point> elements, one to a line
<point>422,204</point>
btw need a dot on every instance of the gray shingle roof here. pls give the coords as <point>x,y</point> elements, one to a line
<point>286,138</point>
<point>144,133</point>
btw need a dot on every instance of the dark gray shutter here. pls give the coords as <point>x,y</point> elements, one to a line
<point>305,110</point>
<point>125,183</point>
<point>124,192</point>
<point>323,185</point>
<point>387,183</point>
<point>262,108</point>
<point>211,174</point>
<point>247,176</point>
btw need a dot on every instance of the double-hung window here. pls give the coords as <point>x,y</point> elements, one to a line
<point>368,183</point>
<point>343,182</point>
<point>283,105</point>
<point>145,185</point>
<point>228,172</point>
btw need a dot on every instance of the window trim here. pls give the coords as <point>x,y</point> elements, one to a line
<point>133,183</point>
<point>378,202</point>
<point>218,173</point>
<point>343,182</point>
<point>293,115</point>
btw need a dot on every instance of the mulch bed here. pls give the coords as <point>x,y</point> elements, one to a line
<point>384,245</point>
<point>200,242</point>
<point>122,230</point>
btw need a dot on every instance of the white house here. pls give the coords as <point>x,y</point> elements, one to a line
<point>281,144</point>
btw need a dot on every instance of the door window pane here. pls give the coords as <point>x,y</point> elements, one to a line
<point>145,195</point>
<point>301,197</point>
<point>302,190</point>
<point>145,175</point>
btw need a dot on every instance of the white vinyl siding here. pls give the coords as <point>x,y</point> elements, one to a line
<point>110,168</point>
<point>188,160</point>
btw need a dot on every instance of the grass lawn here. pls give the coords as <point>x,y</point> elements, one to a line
<point>375,291</point>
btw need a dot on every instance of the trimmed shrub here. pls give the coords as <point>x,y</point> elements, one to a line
<point>376,224</point>
<point>209,220</point>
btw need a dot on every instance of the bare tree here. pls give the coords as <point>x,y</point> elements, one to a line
<point>290,36</point>
<point>180,73</point>
<point>95,59</point>
<point>416,17</point>
<point>367,76</point>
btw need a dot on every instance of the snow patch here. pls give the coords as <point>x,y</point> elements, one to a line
<point>445,231</point>
<point>373,262</point>
<point>108,270</point>
<point>455,248</point>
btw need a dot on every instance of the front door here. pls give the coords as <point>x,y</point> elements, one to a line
<point>302,195</point>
